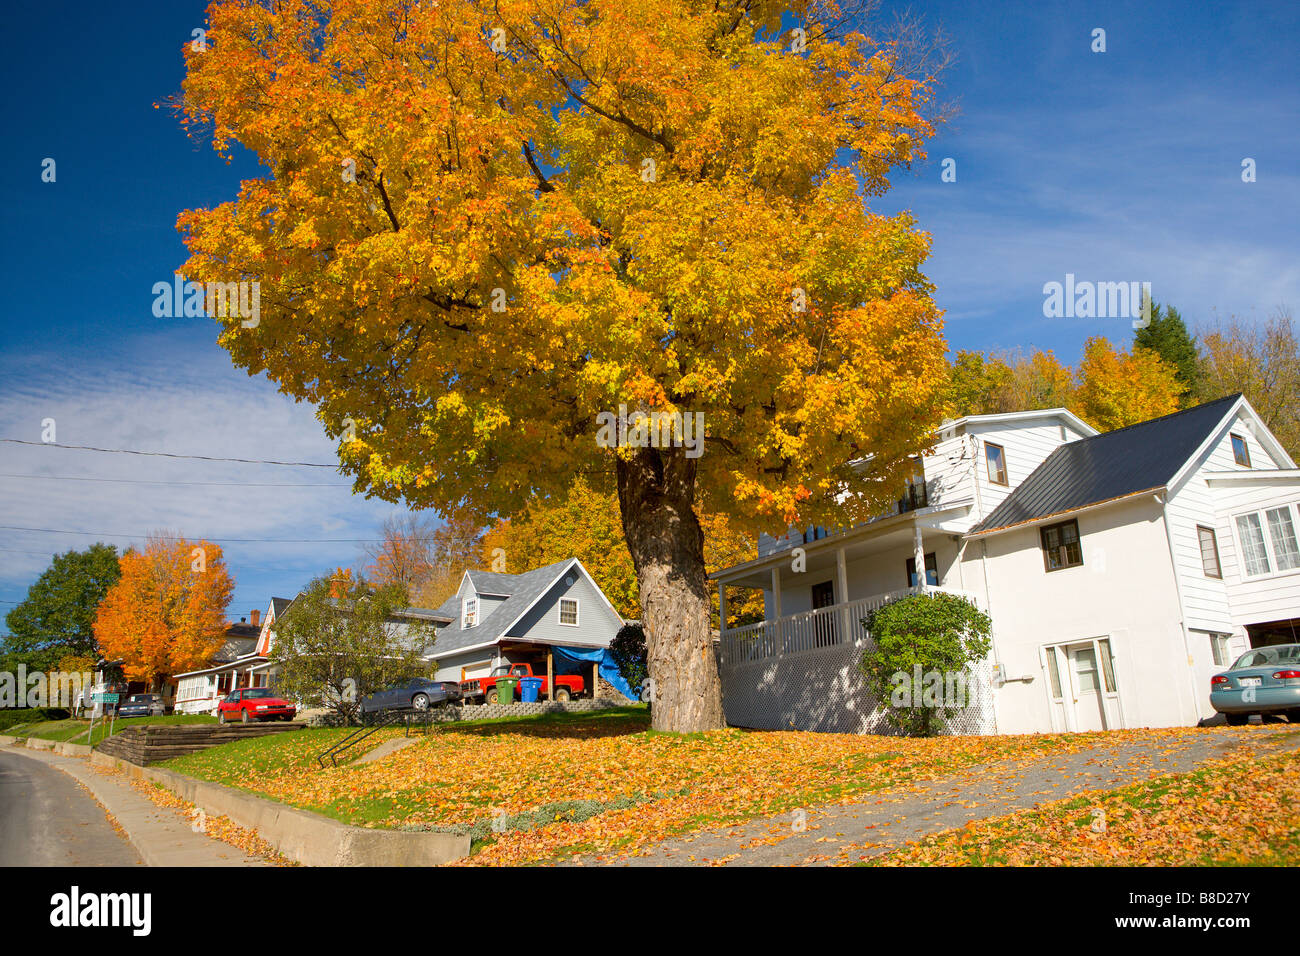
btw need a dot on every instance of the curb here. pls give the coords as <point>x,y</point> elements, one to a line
<point>54,746</point>
<point>302,836</point>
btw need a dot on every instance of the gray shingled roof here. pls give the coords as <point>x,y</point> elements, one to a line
<point>1108,466</point>
<point>521,590</point>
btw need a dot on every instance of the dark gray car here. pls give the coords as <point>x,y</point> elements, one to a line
<point>417,694</point>
<point>142,705</point>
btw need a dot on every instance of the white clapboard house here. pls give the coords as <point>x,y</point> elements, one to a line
<point>1120,571</point>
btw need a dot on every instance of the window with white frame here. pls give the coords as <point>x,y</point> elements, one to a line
<point>1209,552</point>
<point>569,612</point>
<point>1219,648</point>
<point>469,612</point>
<point>1053,673</point>
<point>1268,541</point>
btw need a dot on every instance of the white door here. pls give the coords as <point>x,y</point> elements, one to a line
<point>1086,684</point>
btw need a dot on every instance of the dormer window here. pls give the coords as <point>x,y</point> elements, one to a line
<point>469,612</point>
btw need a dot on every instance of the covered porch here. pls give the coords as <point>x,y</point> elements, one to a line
<point>817,593</point>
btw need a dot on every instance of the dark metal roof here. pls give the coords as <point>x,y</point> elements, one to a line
<point>1141,457</point>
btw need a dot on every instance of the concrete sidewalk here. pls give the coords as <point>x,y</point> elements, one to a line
<point>161,836</point>
<point>851,832</point>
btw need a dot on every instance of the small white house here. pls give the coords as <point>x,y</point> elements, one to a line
<point>241,663</point>
<point>1120,571</point>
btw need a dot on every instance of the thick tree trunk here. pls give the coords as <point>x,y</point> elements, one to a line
<point>656,493</point>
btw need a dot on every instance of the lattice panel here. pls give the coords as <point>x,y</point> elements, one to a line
<point>823,690</point>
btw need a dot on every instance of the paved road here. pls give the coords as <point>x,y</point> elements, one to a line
<point>48,819</point>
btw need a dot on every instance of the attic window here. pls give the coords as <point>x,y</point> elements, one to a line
<point>996,457</point>
<point>569,612</point>
<point>1240,451</point>
<point>469,612</point>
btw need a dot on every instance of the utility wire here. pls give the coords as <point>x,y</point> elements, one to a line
<point>168,454</point>
<point>214,484</point>
<point>140,537</point>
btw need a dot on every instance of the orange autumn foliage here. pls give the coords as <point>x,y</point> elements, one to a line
<point>167,613</point>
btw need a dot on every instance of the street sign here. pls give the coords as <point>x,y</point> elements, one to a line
<point>106,698</point>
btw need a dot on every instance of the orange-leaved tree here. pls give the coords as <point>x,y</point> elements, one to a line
<point>167,612</point>
<point>494,237</point>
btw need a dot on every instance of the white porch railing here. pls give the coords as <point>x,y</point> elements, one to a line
<point>809,630</point>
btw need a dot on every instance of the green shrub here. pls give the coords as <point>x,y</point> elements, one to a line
<point>629,653</point>
<point>919,662</point>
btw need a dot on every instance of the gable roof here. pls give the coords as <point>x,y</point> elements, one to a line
<point>1141,458</point>
<point>521,592</point>
<point>1000,418</point>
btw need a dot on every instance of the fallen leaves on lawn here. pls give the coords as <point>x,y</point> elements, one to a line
<point>1236,810</point>
<point>619,790</point>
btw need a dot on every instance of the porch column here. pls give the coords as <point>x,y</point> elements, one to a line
<point>842,586</point>
<point>918,547</point>
<point>776,609</point>
<point>722,607</point>
<point>550,672</point>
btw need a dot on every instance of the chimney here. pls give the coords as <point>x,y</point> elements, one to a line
<point>255,616</point>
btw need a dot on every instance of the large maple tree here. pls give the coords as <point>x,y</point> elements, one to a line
<point>486,223</point>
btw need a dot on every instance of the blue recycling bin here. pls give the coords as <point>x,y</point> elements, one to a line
<point>529,688</point>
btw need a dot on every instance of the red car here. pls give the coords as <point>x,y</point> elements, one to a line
<point>254,703</point>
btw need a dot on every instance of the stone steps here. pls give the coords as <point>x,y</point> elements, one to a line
<point>153,744</point>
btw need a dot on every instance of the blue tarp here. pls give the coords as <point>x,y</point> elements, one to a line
<point>571,656</point>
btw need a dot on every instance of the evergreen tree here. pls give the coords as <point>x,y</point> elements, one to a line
<point>1168,337</point>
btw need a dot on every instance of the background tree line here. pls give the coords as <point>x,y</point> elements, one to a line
<point>1165,369</point>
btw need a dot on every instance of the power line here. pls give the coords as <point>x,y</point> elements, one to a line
<point>215,484</point>
<point>168,454</point>
<point>140,537</point>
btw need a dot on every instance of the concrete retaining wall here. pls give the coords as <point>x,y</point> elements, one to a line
<point>300,835</point>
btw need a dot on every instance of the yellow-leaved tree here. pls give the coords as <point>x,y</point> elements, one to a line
<point>489,230</point>
<point>585,524</point>
<point>1117,389</point>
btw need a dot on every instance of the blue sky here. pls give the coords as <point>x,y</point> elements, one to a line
<point>1115,166</point>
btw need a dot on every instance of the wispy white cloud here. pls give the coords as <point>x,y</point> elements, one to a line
<point>145,394</point>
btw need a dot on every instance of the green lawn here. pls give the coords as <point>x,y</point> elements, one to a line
<point>296,752</point>
<point>75,731</point>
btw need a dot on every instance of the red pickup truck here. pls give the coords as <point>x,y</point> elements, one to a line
<point>567,686</point>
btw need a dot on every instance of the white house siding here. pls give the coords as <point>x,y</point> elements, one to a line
<point>1193,503</point>
<point>949,475</point>
<point>1254,600</point>
<point>1026,446</point>
<point>1124,591</point>
<point>463,665</point>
